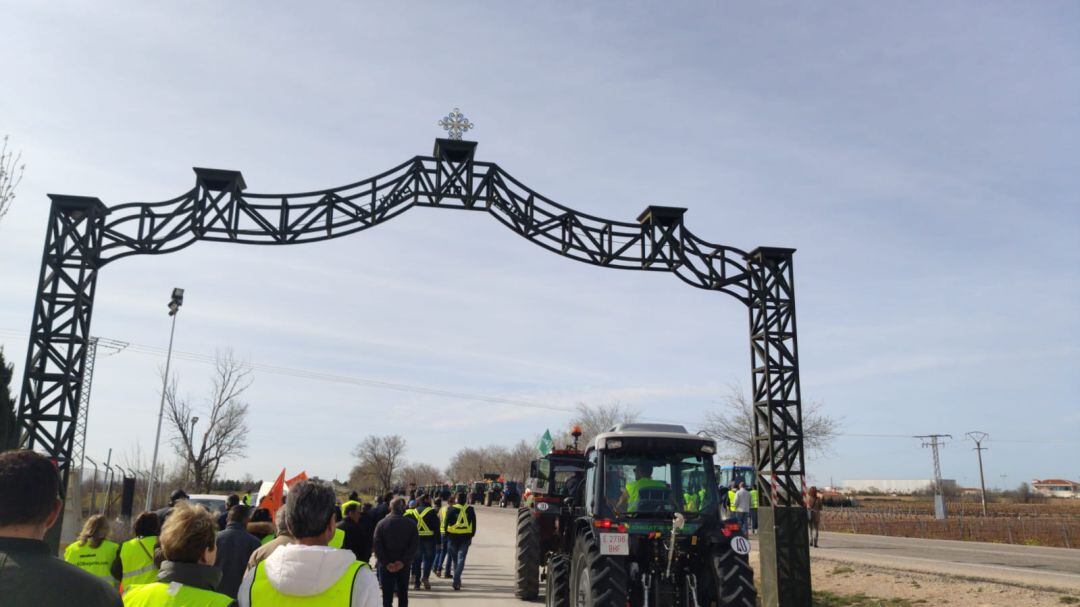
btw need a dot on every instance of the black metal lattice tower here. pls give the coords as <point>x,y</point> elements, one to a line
<point>84,235</point>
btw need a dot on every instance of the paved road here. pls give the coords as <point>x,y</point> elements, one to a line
<point>489,568</point>
<point>489,572</point>
<point>1029,565</point>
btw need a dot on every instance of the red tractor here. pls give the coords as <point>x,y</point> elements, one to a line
<point>542,520</point>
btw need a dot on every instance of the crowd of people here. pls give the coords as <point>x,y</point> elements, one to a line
<point>315,550</point>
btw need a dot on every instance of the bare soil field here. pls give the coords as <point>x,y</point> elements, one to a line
<point>839,584</point>
<point>1053,523</point>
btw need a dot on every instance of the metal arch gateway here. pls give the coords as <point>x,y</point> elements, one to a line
<point>84,234</point>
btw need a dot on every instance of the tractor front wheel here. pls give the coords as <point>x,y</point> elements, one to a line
<point>557,592</point>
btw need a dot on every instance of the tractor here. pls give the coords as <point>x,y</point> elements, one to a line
<point>642,528</point>
<point>494,492</point>
<point>479,490</point>
<point>544,515</point>
<point>511,495</point>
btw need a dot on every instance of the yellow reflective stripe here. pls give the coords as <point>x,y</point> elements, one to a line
<point>147,569</point>
<point>461,524</point>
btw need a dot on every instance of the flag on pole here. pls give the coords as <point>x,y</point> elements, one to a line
<point>276,497</point>
<point>296,479</point>
<point>546,443</point>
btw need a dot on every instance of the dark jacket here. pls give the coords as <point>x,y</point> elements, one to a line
<point>451,518</point>
<point>431,519</point>
<point>358,537</point>
<point>380,511</point>
<point>223,520</point>
<point>195,575</point>
<point>234,548</point>
<point>396,539</point>
<point>31,575</point>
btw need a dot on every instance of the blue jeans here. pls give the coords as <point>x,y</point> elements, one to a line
<point>744,522</point>
<point>443,560</point>
<point>425,557</point>
<point>459,549</point>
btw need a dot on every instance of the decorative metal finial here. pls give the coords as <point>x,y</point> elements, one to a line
<point>455,123</point>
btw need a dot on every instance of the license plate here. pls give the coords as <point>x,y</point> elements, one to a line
<point>615,544</point>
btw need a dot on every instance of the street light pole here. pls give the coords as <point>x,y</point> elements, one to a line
<point>174,307</point>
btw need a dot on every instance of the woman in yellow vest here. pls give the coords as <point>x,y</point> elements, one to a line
<point>93,552</point>
<point>188,576</point>
<point>137,554</point>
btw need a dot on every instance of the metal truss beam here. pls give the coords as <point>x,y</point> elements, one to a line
<point>84,235</point>
<point>778,436</point>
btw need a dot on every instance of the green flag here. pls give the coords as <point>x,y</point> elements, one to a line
<point>545,444</point>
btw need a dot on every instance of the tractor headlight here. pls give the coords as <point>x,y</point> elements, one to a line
<point>542,507</point>
<point>614,444</point>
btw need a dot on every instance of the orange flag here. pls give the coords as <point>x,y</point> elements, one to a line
<point>296,479</point>
<point>275,498</point>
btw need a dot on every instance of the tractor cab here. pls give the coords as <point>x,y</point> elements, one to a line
<point>650,471</point>
<point>731,475</point>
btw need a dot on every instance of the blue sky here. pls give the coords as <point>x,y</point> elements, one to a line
<point>922,158</point>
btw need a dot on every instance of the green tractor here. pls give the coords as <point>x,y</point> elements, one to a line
<point>643,527</point>
<point>476,495</point>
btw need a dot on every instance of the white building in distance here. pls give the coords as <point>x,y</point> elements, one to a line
<point>897,486</point>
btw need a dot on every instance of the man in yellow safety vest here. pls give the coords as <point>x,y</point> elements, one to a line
<point>137,554</point>
<point>428,526</point>
<point>631,494</point>
<point>308,572</point>
<point>459,525</point>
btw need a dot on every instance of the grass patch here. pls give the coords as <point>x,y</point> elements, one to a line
<point>829,599</point>
<point>1069,600</point>
<point>841,570</point>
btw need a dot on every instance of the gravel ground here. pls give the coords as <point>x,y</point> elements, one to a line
<point>927,589</point>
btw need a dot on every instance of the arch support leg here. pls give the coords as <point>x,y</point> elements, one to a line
<point>59,333</point>
<point>778,435</point>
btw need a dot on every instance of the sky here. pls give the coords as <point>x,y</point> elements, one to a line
<point>923,159</point>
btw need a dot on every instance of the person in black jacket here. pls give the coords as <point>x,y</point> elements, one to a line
<point>427,524</point>
<point>223,518</point>
<point>459,525</point>
<point>359,530</point>
<point>30,573</point>
<point>234,548</point>
<point>396,543</point>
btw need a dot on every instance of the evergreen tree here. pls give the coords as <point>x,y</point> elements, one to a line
<point>9,433</point>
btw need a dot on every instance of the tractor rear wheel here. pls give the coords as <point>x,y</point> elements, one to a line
<point>527,555</point>
<point>596,580</point>
<point>734,579</point>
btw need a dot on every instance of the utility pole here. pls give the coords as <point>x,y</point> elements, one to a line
<point>978,438</point>
<point>934,441</point>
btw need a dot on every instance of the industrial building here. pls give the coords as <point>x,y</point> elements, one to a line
<point>897,486</point>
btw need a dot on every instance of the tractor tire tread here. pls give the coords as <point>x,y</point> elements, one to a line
<point>527,557</point>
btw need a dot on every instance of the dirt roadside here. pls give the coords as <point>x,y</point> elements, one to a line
<point>847,579</point>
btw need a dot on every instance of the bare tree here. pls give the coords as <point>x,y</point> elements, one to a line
<point>418,474</point>
<point>379,457</point>
<point>472,463</point>
<point>732,425</point>
<point>223,415</point>
<point>11,173</point>
<point>594,419</point>
<point>517,465</point>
